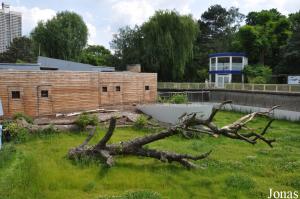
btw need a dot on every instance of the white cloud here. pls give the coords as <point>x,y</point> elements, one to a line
<point>132,12</point>
<point>92,34</point>
<point>30,17</point>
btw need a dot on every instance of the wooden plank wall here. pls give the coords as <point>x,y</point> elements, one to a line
<point>73,91</point>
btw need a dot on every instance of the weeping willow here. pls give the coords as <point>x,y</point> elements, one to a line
<point>168,43</point>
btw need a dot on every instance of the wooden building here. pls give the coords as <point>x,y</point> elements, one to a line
<point>39,93</point>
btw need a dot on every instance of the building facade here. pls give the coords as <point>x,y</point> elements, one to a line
<point>40,93</point>
<point>10,26</point>
<point>226,68</point>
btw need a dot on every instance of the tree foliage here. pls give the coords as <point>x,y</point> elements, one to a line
<point>217,33</point>
<point>290,62</point>
<point>20,50</point>
<point>263,36</point>
<point>258,74</point>
<point>62,37</point>
<point>96,55</point>
<point>168,43</point>
<point>128,47</point>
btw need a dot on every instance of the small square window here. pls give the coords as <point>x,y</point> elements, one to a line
<point>15,95</point>
<point>118,88</point>
<point>104,89</point>
<point>44,93</point>
<point>147,88</point>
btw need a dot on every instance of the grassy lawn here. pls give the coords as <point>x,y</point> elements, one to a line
<point>39,168</point>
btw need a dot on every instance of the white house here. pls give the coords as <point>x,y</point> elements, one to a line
<point>227,68</point>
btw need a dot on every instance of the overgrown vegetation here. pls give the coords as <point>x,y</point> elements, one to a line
<point>136,195</point>
<point>141,122</point>
<point>258,74</point>
<point>38,168</point>
<point>178,98</point>
<point>14,132</point>
<point>86,119</point>
<point>24,116</point>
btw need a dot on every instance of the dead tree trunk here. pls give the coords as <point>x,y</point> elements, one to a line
<point>189,123</point>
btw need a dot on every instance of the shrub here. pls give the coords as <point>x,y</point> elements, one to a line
<point>179,99</point>
<point>16,133</point>
<point>24,116</point>
<point>140,122</point>
<point>258,74</point>
<point>85,119</point>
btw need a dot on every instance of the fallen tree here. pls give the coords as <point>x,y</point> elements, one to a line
<point>188,123</point>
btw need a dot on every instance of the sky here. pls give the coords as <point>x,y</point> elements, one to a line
<point>104,17</point>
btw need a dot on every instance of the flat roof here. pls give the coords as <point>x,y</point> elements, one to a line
<point>225,54</point>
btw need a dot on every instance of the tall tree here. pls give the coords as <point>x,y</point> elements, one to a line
<point>263,36</point>
<point>62,37</point>
<point>128,47</point>
<point>290,62</point>
<point>168,43</point>
<point>217,30</point>
<point>20,50</point>
<point>96,55</point>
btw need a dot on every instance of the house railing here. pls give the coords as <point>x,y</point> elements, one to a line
<point>231,86</point>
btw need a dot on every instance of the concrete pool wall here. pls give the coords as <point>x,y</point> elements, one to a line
<point>169,113</point>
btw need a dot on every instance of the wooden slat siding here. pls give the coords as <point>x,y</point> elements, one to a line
<point>73,91</point>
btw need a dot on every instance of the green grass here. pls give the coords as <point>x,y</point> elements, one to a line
<point>39,168</point>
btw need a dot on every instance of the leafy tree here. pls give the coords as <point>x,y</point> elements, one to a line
<point>168,43</point>
<point>62,37</point>
<point>217,31</point>
<point>128,47</point>
<point>258,74</point>
<point>20,51</point>
<point>218,26</point>
<point>263,36</point>
<point>96,55</point>
<point>290,62</point>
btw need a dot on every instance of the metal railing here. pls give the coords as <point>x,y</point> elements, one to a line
<point>231,86</point>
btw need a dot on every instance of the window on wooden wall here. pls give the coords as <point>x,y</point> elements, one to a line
<point>44,93</point>
<point>15,94</point>
<point>104,89</point>
<point>118,88</point>
<point>147,88</point>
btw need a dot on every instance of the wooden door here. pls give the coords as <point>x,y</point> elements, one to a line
<point>117,94</point>
<point>45,104</point>
<point>15,100</point>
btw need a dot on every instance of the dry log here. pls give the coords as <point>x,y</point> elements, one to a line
<point>189,123</point>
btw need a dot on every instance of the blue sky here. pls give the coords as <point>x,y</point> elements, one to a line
<point>104,17</point>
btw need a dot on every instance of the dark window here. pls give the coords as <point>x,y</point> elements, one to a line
<point>237,60</point>
<point>236,78</point>
<point>118,88</point>
<point>104,89</point>
<point>213,77</point>
<point>44,93</point>
<point>15,95</point>
<point>147,88</point>
<point>213,60</point>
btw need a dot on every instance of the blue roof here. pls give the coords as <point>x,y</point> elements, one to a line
<point>45,63</point>
<point>239,54</point>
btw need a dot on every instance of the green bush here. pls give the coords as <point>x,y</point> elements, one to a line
<point>22,115</point>
<point>258,74</point>
<point>141,122</point>
<point>179,99</point>
<point>86,119</point>
<point>18,134</point>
